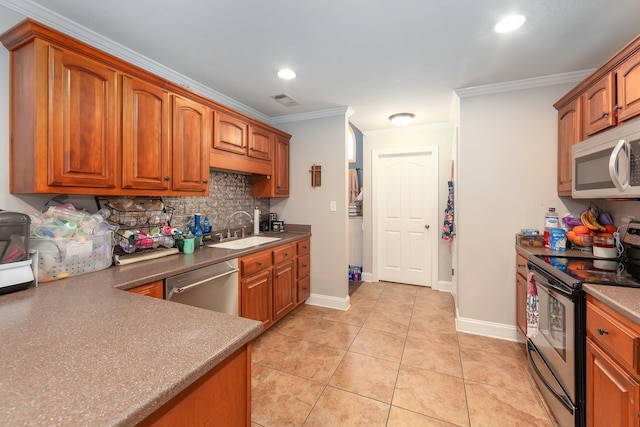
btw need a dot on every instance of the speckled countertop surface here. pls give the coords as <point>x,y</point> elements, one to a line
<point>624,300</point>
<point>81,351</point>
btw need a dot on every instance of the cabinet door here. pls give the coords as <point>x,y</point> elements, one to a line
<point>598,103</point>
<point>569,133</point>
<point>230,134</point>
<point>257,297</point>
<point>153,289</point>
<point>190,142</point>
<point>281,167</point>
<point>521,305</point>
<point>83,125</point>
<point>145,135</point>
<point>613,396</point>
<point>284,291</point>
<point>260,143</point>
<point>628,76</point>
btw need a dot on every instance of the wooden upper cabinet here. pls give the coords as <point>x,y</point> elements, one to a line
<point>628,75</point>
<point>277,184</point>
<point>83,122</point>
<point>146,148</point>
<point>569,133</point>
<point>230,134</point>
<point>260,143</point>
<point>599,101</point>
<point>190,145</point>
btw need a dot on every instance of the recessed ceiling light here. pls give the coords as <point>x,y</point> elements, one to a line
<point>510,23</point>
<point>286,74</point>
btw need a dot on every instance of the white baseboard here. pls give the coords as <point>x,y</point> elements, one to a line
<point>487,329</point>
<point>367,277</point>
<point>444,286</point>
<point>329,301</point>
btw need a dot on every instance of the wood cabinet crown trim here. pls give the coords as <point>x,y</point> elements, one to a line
<point>29,29</point>
<point>618,58</point>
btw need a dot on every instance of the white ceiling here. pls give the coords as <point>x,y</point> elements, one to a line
<point>378,57</point>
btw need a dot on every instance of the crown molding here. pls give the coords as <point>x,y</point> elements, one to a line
<point>551,80</point>
<point>77,31</point>
<point>331,112</point>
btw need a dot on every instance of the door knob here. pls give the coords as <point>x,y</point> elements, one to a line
<point>426,226</point>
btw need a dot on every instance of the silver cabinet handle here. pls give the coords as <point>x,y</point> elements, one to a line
<point>602,331</point>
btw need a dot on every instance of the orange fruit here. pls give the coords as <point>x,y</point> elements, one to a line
<point>611,228</point>
<point>580,229</point>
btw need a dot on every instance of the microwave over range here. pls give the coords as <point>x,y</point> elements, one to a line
<point>607,165</point>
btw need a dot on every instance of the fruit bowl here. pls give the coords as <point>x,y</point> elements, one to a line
<point>581,240</point>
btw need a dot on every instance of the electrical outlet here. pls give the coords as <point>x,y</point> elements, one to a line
<point>333,206</point>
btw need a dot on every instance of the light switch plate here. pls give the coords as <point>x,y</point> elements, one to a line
<point>333,206</point>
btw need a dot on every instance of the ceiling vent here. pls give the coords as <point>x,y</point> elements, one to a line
<point>285,100</point>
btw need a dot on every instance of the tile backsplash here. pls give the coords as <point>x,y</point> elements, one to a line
<point>228,193</point>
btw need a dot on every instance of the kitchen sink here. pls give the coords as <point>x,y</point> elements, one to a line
<point>247,242</point>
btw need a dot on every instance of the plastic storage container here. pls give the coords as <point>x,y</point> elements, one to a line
<point>65,257</point>
<point>551,220</point>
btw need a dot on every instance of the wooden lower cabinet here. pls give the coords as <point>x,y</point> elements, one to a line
<point>613,368</point>
<point>274,281</point>
<point>153,289</point>
<point>521,295</point>
<point>222,397</point>
<point>284,291</point>
<point>257,297</point>
<point>612,395</point>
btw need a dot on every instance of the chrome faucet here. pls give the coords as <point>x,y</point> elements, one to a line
<point>229,222</point>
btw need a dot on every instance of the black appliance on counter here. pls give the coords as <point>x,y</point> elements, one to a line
<point>16,271</point>
<point>557,353</point>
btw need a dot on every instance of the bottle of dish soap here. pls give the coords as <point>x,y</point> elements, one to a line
<point>551,220</point>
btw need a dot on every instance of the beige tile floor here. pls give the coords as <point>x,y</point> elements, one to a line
<point>393,359</point>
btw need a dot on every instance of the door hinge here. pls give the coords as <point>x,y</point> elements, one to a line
<point>453,272</point>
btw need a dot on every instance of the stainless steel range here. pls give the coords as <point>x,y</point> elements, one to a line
<point>557,355</point>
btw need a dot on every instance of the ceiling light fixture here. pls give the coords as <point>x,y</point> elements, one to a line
<point>509,23</point>
<point>286,74</point>
<point>401,119</point>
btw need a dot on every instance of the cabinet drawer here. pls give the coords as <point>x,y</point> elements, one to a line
<point>283,253</point>
<point>304,289</point>
<point>521,265</point>
<point>304,266</point>
<point>615,334</point>
<point>304,247</point>
<point>254,263</point>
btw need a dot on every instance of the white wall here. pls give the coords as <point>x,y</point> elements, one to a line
<point>411,136</point>
<point>320,141</point>
<point>506,182</point>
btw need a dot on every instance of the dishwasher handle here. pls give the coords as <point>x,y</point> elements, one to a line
<point>180,289</point>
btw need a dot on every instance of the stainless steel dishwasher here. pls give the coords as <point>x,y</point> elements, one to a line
<point>214,287</point>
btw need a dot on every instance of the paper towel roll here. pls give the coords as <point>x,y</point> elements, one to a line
<point>256,221</point>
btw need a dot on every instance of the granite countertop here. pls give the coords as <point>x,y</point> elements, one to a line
<point>81,351</point>
<point>624,300</point>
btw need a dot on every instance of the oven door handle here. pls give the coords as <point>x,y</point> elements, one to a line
<point>563,399</point>
<point>180,289</point>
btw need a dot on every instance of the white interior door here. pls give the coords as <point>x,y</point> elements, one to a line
<point>405,200</point>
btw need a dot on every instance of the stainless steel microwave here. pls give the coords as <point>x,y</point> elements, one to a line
<point>607,165</point>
